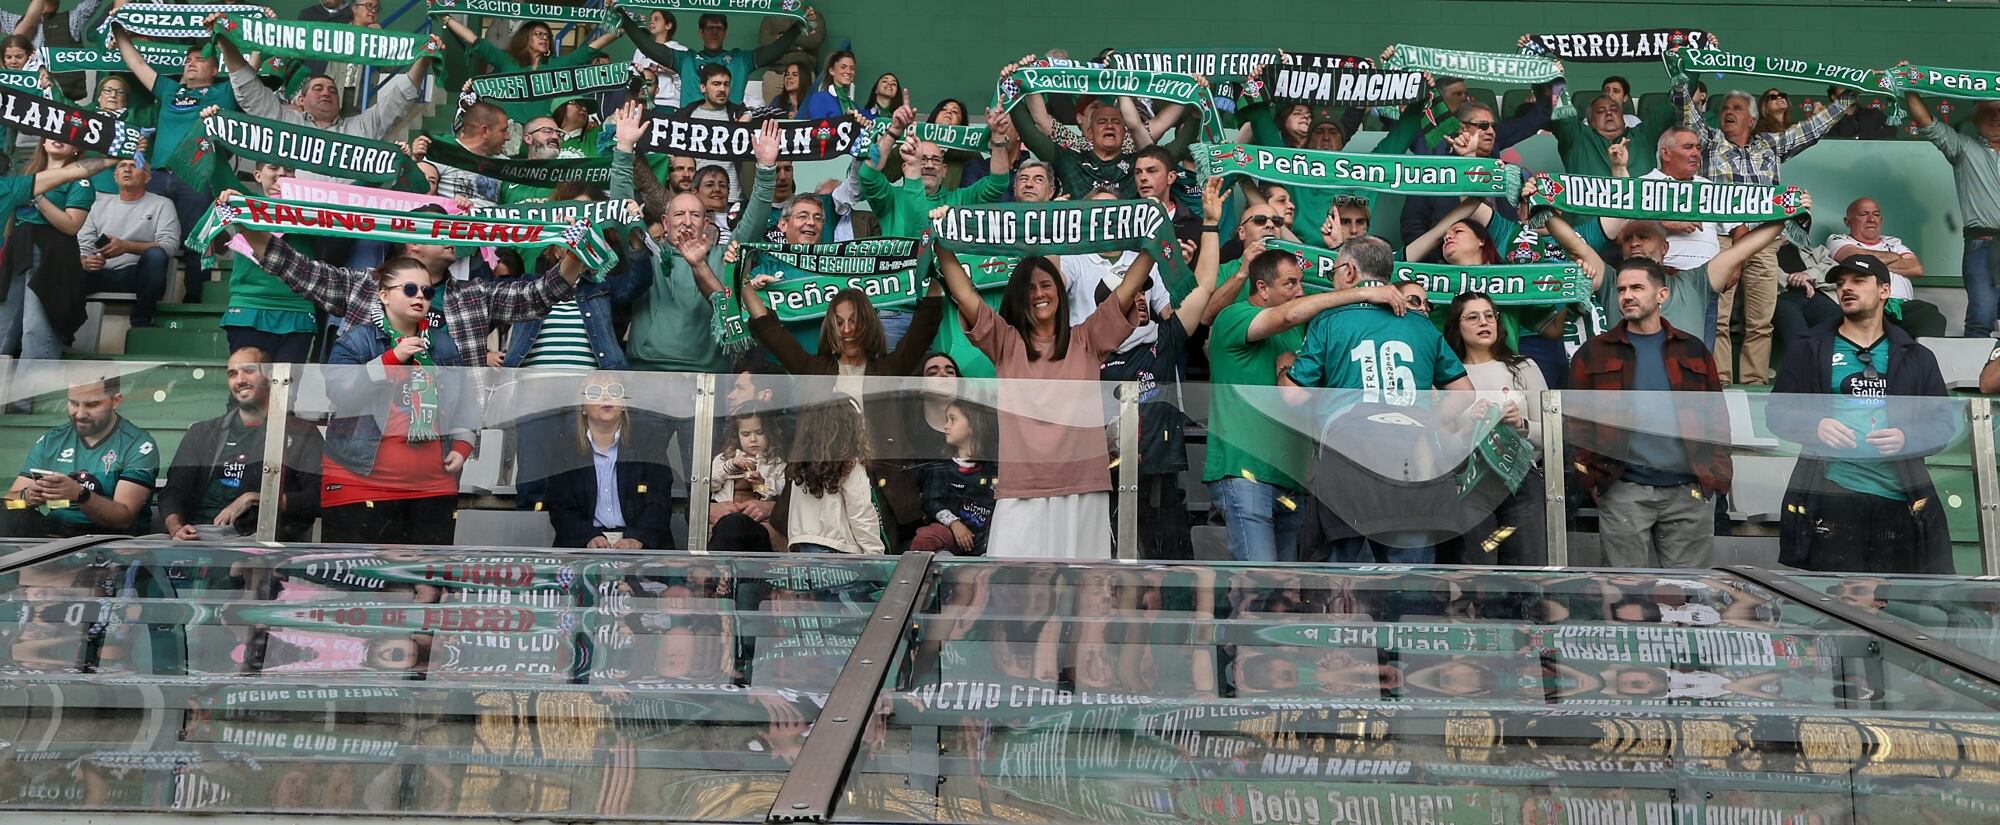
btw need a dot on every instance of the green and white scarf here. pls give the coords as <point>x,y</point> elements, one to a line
<point>1506,284</point>
<point>952,138</point>
<point>1965,84</point>
<point>335,155</point>
<point>1227,71</point>
<point>1070,77</point>
<point>890,270</point>
<point>1067,228</point>
<point>546,173</point>
<point>540,84</point>
<point>1403,174</point>
<point>1502,452</point>
<point>621,215</point>
<point>642,38</point>
<point>318,41</point>
<point>273,215</point>
<point>169,21</point>
<point>515,10</point>
<point>1665,199</point>
<point>26,81</point>
<point>1489,67</point>
<point>419,390</point>
<point>60,59</point>
<point>1688,62</point>
<point>794,9</point>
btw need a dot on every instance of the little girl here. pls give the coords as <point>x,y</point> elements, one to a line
<point>748,470</point>
<point>833,504</point>
<point>958,491</point>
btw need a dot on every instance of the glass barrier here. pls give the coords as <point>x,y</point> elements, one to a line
<point>1964,613</point>
<point>327,679</point>
<point>1231,693</point>
<point>1822,482</point>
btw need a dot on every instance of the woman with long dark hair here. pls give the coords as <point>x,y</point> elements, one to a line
<point>836,96</point>
<point>884,96</point>
<point>1473,328</point>
<point>795,85</point>
<point>1054,491</point>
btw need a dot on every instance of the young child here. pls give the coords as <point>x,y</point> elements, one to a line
<point>958,491</point>
<point>833,504</point>
<point>747,471</point>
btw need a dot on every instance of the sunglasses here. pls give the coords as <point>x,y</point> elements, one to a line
<point>1867,359</point>
<point>1262,220</point>
<point>600,392</point>
<point>1481,125</point>
<point>413,291</point>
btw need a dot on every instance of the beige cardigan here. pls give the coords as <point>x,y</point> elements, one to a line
<point>845,521</point>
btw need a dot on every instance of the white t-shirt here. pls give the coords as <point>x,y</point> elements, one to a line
<point>1899,286</point>
<point>1691,249</point>
<point>1082,274</point>
<point>668,90</point>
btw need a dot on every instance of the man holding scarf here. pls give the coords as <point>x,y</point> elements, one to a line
<point>317,104</point>
<point>1585,143</point>
<point>1975,168</point>
<point>1734,152</point>
<point>1480,135</point>
<point>482,130</point>
<point>741,63</point>
<point>180,105</point>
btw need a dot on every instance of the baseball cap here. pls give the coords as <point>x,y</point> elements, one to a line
<point>1860,263</point>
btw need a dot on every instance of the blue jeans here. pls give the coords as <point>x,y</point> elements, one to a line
<point>1982,301</point>
<point>189,205</point>
<point>1260,528</point>
<point>365,255</point>
<point>11,309</point>
<point>1366,550</point>
<point>147,279</point>
<point>804,547</point>
<point>895,322</point>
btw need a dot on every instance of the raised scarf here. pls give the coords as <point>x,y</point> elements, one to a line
<point>1508,284</point>
<point>347,194</point>
<point>1490,67</point>
<point>959,138</point>
<point>418,390</point>
<point>61,59</point>
<point>1965,84</point>
<point>1627,46</point>
<point>1228,72</point>
<point>170,21</point>
<point>30,113</point>
<point>890,270</point>
<point>514,10</point>
<point>26,81</point>
<point>1404,174</point>
<point>794,9</point>
<point>545,172</point>
<point>1341,86</point>
<point>1069,77</point>
<point>642,38</point>
<point>1018,230</point>
<point>539,84</point>
<point>1665,199</point>
<point>683,136</point>
<point>317,41</point>
<point>1688,62</point>
<point>273,215</point>
<point>319,151</point>
<point>605,214</point>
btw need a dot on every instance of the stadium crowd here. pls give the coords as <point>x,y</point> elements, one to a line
<point>1322,372</point>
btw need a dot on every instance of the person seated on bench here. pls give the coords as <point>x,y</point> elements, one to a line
<point>92,475</point>
<point>215,479</point>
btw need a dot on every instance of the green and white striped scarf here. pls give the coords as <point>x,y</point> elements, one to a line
<point>171,21</point>
<point>274,215</point>
<point>794,9</point>
<point>1402,174</point>
<point>1489,67</point>
<point>515,10</point>
<point>1067,228</point>
<point>1070,77</point>
<point>335,155</point>
<point>318,41</point>
<point>892,271</point>
<point>540,84</point>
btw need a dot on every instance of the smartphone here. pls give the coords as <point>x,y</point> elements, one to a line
<point>38,475</point>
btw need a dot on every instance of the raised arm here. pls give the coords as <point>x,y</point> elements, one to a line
<point>1134,124</point>
<point>610,35</point>
<point>1920,114</point>
<point>1727,265</point>
<point>1194,305</point>
<point>1580,252</point>
<point>48,179</point>
<point>775,50</point>
<point>1136,277</point>
<point>957,283</point>
<point>1471,208</point>
<point>464,33</point>
<point>134,62</point>
<point>1295,312</point>
<point>1032,121</point>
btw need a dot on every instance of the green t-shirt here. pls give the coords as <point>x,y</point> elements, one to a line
<point>904,208</point>
<point>127,453</point>
<point>250,287</point>
<point>1079,171</point>
<point>1389,357</point>
<point>1243,440</point>
<point>180,113</point>
<point>1860,398</point>
<point>15,192</point>
<point>77,194</point>
<point>240,445</point>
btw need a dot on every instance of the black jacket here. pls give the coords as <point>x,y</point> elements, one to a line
<point>1928,427</point>
<point>644,488</point>
<point>200,455</point>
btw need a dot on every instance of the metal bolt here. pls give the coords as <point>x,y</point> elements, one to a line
<point>868,661</point>
<point>798,806</point>
<point>839,718</point>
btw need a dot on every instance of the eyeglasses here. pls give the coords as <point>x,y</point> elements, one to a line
<point>808,215</point>
<point>411,290</point>
<point>1481,125</point>
<point>930,159</point>
<point>1488,315</point>
<point>600,392</point>
<point>544,129</point>
<point>111,91</point>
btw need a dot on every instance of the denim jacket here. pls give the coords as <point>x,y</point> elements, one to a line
<point>362,391</point>
<point>597,299</point>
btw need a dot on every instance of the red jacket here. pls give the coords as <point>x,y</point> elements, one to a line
<point>1605,364</point>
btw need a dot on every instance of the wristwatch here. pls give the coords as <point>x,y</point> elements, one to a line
<point>83,496</point>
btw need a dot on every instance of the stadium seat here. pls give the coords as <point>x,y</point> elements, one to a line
<point>163,344</point>
<point>1960,359</point>
<point>1757,493</point>
<point>503,528</point>
<point>1487,97</point>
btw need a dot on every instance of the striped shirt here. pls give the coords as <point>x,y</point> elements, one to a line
<point>562,343</point>
<point>1757,161</point>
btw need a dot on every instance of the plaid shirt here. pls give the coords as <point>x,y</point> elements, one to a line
<point>471,308</point>
<point>1757,161</point>
<point>1605,364</point>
